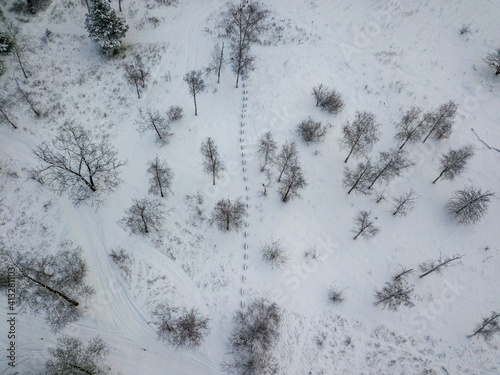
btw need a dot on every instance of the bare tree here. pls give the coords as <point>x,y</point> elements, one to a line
<point>266,149</point>
<point>286,158</point>
<point>196,85</point>
<point>19,46</point>
<point>211,159</point>
<point>217,63</point>
<point>380,196</point>
<point>488,327</point>
<point>79,162</point>
<point>228,215</point>
<point>255,334</point>
<point>404,203</point>
<point>5,115</point>
<point>50,285</point>
<point>493,60</point>
<point>292,181</point>
<point>328,100</point>
<point>311,131</point>
<point>137,75</point>
<point>364,226</point>
<point>437,265</point>
<point>411,128</point>
<point>244,21</point>
<point>152,120</point>
<point>144,216</point>
<point>360,135</point>
<point>73,356</point>
<point>390,165</point>
<point>469,205</point>
<point>358,179</point>
<point>394,294</point>
<point>160,177</point>
<point>453,163</point>
<point>440,122</point>
<point>28,98</point>
<point>275,254</point>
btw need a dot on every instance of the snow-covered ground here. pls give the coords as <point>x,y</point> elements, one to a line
<point>383,57</point>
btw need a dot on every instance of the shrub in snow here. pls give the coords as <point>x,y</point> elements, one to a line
<point>327,100</point>
<point>104,26</point>
<point>274,254</point>
<point>335,295</point>
<point>311,131</point>
<point>175,113</point>
<point>73,356</point>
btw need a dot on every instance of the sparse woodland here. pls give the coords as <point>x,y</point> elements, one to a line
<point>121,210</point>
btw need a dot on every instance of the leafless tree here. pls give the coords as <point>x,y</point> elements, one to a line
<point>390,165</point>
<point>152,120</point>
<point>266,149</point>
<point>5,115</point>
<point>358,179</point>
<point>211,159</point>
<point>256,332</point>
<point>488,327</point>
<point>311,131</point>
<point>50,285</point>
<point>196,85</point>
<point>292,181</point>
<point>286,158</point>
<point>328,100</point>
<point>160,177</point>
<point>144,216</point>
<point>73,356</point>
<point>360,135</point>
<point>493,60</point>
<point>454,162</point>
<point>440,122</point>
<point>275,254</point>
<point>380,196</point>
<point>244,21</point>
<point>411,128</point>
<point>364,226</point>
<point>19,45</point>
<point>395,294</point>
<point>175,113</point>
<point>79,162</point>
<point>404,203</point>
<point>137,75</point>
<point>28,98</point>
<point>228,215</point>
<point>218,61</point>
<point>469,205</point>
<point>437,265</point>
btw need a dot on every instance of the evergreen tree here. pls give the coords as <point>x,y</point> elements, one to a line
<point>105,27</point>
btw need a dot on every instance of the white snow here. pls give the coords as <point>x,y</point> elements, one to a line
<point>383,57</point>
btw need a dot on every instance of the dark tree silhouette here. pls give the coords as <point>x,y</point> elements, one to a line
<point>79,162</point>
<point>291,182</point>
<point>394,294</point>
<point>287,158</point>
<point>311,131</point>
<point>50,285</point>
<point>469,205</point>
<point>228,215</point>
<point>328,100</point>
<point>358,179</point>
<point>196,85</point>
<point>359,136</point>
<point>211,159</point>
<point>437,265</point>
<point>160,177</point>
<point>266,149</point>
<point>440,122</point>
<point>72,356</point>
<point>454,162</point>
<point>411,128</point>
<point>390,165</point>
<point>151,120</point>
<point>404,203</point>
<point>275,254</point>
<point>488,327</point>
<point>364,226</point>
<point>144,216</point>
<point>493,60</point>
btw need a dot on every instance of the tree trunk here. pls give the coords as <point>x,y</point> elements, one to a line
<point>7,118</point>
<point>221,59</point>
<point>146,230</point>
<point>287,192</point>
<point>69,300</point>
<point>20,63</point>
<point>79,368</point>
<point>403,145</point>
<point>195,106</point>
<point>348,156</point>
<point>357,235</point>
<point>137,88</point>
<point>438,177</point>
<point>120,5</point>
